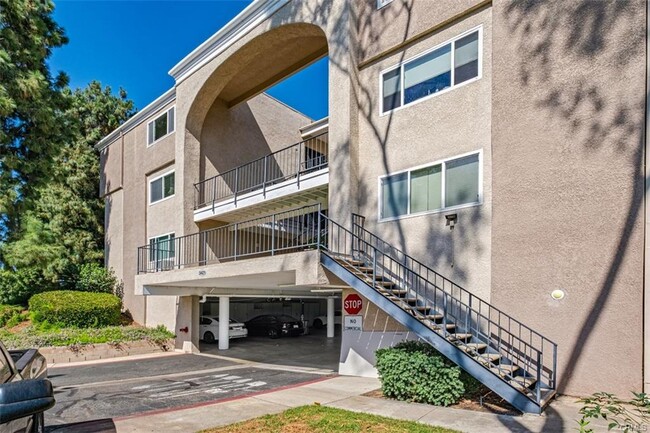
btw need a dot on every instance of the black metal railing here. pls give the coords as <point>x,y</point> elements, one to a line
<point>535,354</point>
<point>283,232</point>
<point>292,162</point>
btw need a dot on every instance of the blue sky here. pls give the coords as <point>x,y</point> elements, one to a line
<point>133,44</point>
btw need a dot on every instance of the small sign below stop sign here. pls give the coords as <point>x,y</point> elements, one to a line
<point>352,304</point>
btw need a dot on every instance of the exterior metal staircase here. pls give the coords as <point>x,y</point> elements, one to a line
<point>511,359</point>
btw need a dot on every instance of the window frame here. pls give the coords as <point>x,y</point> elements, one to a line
<point>158,116</point>
<point>155,179</point>
<point>401,65</point>
<point>443,186</point>
<point>158,261</point>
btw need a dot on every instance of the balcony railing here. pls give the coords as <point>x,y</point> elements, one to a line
<point>284,232</point>
<point>289,163</point>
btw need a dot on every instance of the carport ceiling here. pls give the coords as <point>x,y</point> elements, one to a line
<point>276,60</point>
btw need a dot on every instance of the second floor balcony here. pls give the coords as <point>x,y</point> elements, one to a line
<point>297,173</point>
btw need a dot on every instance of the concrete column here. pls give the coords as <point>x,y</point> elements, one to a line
<point>224,322</point>
<point>330,317</point>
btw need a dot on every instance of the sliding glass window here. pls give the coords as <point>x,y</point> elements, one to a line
<point>443,185</point>
<point>444,67</point>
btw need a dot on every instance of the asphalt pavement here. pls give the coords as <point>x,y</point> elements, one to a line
<point>131,387</point>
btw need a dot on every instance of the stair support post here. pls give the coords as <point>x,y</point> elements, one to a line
<point>538,390</point>
<point>374,266</point>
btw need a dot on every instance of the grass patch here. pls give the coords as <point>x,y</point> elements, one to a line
<point>321,419</point>
<point>45,336</point>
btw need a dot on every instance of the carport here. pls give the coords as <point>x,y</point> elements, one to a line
<point>315,348</point>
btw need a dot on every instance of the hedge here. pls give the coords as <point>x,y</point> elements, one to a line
<point>76,309</point>
<point>414,371</point>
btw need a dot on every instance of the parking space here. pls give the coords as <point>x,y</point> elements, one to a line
<point>314,350</point>
<point>300,325</point>
<point>123,388</point>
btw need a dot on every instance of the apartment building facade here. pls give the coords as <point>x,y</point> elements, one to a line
<point>479,183</point>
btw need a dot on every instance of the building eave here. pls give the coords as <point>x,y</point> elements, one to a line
<point>243,23</point>
<point>135,120</point>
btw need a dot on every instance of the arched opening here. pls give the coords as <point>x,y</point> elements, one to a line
<point>259,156</point>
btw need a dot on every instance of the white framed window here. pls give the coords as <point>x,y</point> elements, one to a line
<point>382,3</point>
<point>444,67</point>
<point>448,184</point>
<point>162,187</point>
<point>162,251</point>
<point>161,126</point>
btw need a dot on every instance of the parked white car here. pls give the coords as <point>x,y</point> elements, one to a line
<point>321,321</point>
<point>209,329</point>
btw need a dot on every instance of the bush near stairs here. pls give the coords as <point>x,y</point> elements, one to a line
<point>414,371</point>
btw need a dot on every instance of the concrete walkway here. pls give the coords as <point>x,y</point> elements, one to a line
<point>346,393</point>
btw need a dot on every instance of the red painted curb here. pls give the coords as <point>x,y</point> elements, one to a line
<point>224,400</point>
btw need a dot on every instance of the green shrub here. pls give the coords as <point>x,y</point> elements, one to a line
<point>96,278</point>
<point>627,416</point>
<point>16,287</point>
<point>35,336</point>
<point>77,309</point>
<point>414,371</point>
<point>8,313</point>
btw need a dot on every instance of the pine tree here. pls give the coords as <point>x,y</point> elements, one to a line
<point>31,105</point>
<point>63,227</point>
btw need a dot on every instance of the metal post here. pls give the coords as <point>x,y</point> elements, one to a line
<point>236,231</point>
<point>298,169</point>
<point>318,226</point>
<point>265,175</point>
<point>273,235</point>
<point>236,185</point>
<point>538,385</point>
<point>214,191</point>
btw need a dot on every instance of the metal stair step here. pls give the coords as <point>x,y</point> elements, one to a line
<point>488,357</point>
<point>522,383</point>
<point>472,347</point>
<point>460,336</point>
<point>395,292</point>
<point>384,283</point>
<point>438,326</point>
<point>504,370</point>
<point>434,316</point>
<point>422,307</point>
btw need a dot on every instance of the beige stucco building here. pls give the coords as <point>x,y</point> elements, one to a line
<point>495,149</point>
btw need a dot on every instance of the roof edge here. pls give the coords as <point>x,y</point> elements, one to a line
<point>138,118</point>
<point>244,22</point>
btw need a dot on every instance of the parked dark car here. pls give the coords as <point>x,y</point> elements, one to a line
<point>24,394</point>
<point>274,325</point>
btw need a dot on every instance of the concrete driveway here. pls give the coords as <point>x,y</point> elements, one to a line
<point>129,387</point>
<point>311,351</point>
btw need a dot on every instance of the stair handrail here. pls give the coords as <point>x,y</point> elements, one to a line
<point>467,292</point>
<point>536,356</point>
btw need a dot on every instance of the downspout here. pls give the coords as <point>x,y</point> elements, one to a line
<point>646,218</point>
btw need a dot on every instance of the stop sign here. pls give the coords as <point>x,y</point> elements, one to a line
<point>352,304</point>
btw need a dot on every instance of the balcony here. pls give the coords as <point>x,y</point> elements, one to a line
<point>293,175</point>
<point>280,233</point>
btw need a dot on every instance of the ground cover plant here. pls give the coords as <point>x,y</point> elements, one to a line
<point>321,419</point>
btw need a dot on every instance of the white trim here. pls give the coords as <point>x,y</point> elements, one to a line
<point>158,116</point>
<point>314,128</point>
<point>238,27</point>
<point>443,164</point>
<point>160,236</point>
<point>135,120</point>
<point>453,86</point>
<point>173,170</point>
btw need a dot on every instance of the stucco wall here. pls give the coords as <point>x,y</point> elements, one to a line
<point>568,110</point>
<point>401,20</point>
<point>255,128</point>
<point>443,126</point>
